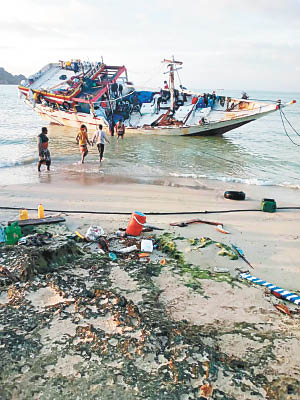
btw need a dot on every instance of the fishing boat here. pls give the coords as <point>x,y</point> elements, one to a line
<point>76,92</point>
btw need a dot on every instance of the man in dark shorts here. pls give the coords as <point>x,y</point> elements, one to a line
<point>100,139</point>
<point>120,128</point>
<point>44,154</point>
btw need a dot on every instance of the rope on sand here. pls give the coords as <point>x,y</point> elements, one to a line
<point>147,213</point>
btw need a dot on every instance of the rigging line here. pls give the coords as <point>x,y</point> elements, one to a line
<point>179,77</point>
<point>297,133</point>
<point>283,124</point>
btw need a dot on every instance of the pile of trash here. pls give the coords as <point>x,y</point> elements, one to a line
<point>82,313</point>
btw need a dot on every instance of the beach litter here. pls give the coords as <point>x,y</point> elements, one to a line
<point>101,325</point>
<point>219,225</point>
<point>112,256</point>
<point>206,241</point>
<point>94,233</point>
<point>240,253</point>
<point>146,246</point>
<point>38,239</point>
<point>38,221</point>
<point>80,235</point>
<point>284,309</point>
<point>126,250</point>
<point>136,223</point>
<point>220,270</point>
<point>2,234</point>
<point>103,244</point>
<point>285,294</point>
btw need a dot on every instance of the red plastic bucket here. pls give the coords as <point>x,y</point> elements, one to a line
<point>136,223</point>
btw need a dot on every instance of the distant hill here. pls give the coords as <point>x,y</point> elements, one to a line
<point>8,79</point>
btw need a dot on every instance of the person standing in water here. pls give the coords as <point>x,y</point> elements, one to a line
<point>100,138</point>
<point>82,139</point>
<point>44,154</point>
<point>120,128</point>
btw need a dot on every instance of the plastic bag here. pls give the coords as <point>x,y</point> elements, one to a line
<point>94,233</point>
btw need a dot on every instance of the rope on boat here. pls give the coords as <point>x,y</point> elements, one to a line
<point>284,127</point>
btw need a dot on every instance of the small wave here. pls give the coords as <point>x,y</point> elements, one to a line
<point>9,164</point>
<point>247,181</point>
<point>194,176</point>
<point>289,185</point>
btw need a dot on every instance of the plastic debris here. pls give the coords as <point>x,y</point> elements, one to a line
<point>146,246</point>
<point>284,309</point>
<point>240,253</point>
<point>143,255</point>
<point>206,390</point>
<point>103,244</point>
<point>220,229</point>
<point>121,234</point>
<point>226,251</point>
<point>94,233</point>
<point>221,270</point>
<point>163,261</point>
<point>2,234</point>
<point>285,294</point>
<point>38,239</point>
<point>80,235</point>
<point>152,227</point>
<point>112,256</point>
<point>127,249</point>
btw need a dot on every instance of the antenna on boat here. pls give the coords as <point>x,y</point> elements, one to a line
<point>172,65</point>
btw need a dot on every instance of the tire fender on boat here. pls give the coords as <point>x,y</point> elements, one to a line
<point>66,105</point>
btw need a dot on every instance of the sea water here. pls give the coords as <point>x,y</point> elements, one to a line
<point>258,153</point>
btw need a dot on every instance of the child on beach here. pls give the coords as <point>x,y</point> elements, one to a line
<point>100,138</point>
<point>82,139</point>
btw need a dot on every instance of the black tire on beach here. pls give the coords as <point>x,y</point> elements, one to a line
<point>232,195</point>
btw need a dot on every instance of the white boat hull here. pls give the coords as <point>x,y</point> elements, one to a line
<point>73,119</point>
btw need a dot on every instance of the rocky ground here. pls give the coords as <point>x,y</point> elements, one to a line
<point>75,324</point>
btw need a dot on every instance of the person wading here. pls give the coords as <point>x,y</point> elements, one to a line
<point>120,128</point>
<point>44,154</point>
<point>100,138</point>
<point>82,139</point>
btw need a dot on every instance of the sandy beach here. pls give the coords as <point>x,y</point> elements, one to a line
<point>270,240</point>
<point>238,320</point>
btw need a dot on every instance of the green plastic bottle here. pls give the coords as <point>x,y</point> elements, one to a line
<point>13,233</point>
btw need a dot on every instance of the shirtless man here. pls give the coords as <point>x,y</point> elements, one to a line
<point>44,154</point>
<point>82,139</point>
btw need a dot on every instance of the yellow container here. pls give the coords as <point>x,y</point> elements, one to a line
<point>23,214</point>
<point>41,212</point>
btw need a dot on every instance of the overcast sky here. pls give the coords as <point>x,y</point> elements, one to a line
<point>231,44</point>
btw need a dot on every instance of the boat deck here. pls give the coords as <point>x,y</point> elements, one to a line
<point>51,78</point>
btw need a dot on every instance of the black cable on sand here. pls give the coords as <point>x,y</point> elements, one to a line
<point>147,213</point>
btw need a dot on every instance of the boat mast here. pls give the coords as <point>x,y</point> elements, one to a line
<point>171,64</point>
